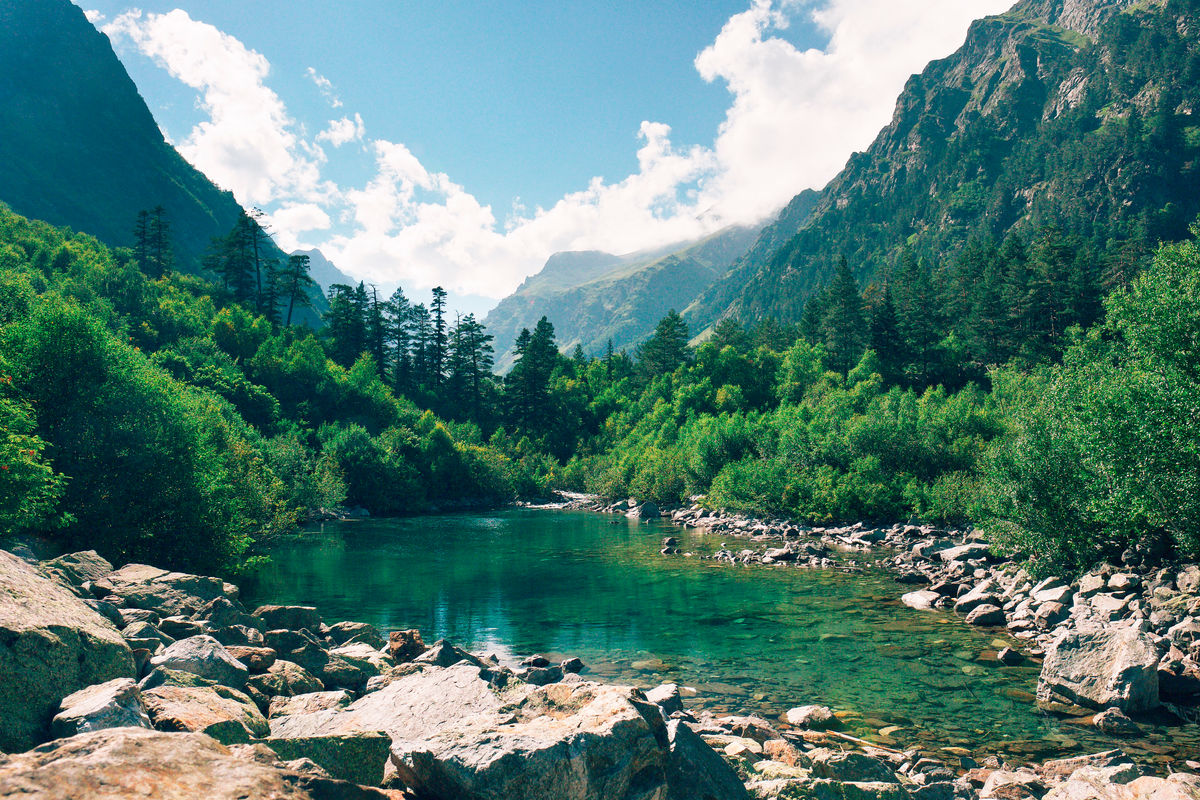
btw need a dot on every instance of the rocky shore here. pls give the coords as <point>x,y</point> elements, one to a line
<point>142,682</point>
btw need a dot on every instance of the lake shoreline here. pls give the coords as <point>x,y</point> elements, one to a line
<point>304,730</point>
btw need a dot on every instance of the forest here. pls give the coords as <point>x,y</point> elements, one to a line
<point>1021,386</point>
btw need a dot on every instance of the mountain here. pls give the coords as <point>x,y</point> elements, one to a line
<point>1080,114</point>
<point>324,271</point>
<point>592,297</point>
<point>78,145</point>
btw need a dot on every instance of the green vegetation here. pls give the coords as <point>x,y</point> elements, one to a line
<point>160,419</point>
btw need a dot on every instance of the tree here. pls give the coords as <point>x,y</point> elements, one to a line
<point>159,243</point>
<point>438,307</point>
<point>344,324</point>
<point>296,285</point>
<point>527,386</point>
<point>844,327</point>
<point>472,359</point>
<point>666,348</point>
<point>398,317</point>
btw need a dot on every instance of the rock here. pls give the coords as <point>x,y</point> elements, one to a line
<point>361,653</point>
<point>54,644</point>
<point>1101,669</point>
<point>816,718</point>
<point>986,616</point>
<point>1053,594</point>
<point>1091,583</point>
<point>1114,723</point>
<point>445,654</point>
<point>75,569</point>
<point>256,659</point>
<point>1107,606</point>
<point>647,510</point>
<point>112,704</point>
<point>824,789</point>
<point>143,634</point>
<point>749,727</point>
<point>695,772</point>
<point>341,633</point>
<point>540,676</point>
<point>120,763</point>
<point>922,600</point>
<point>1059,769</point>
<point>223,613</point>
<point>284,678</point>
<point>841,765</point>
<point>571,666</point>
<point>1184,633</point>
<point>1022,784</point>
<point>454,735</point>
<point>1188,579</point>
<point>1092,783</point>
<point>965,552</point>
<point>1050,614</point>
<point>183,628</point>
<point>1124,582</point>
<point>309,703</point>
<point>206,657</point>
<point>667,698</point>
<point>1010,657</point>
<point>981,595</point>
<point>225,714</point>
<point>168,593</point>
<point>355,757</point>
<point>292,618</point>
<point>404,646</point>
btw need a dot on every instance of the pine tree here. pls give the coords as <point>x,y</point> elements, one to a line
<point>159,243</point>
<point>438,307</point>
<point>844,327</point>
<point>141,240</point>
<point>666,348</point>
<point>296,285</point>
<point>398,313</point>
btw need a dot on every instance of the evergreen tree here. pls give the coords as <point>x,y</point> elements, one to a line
<point>296,285</point>
<point>398,314</point>
<point>472,359</point>
<point>918,317</point>
<point>158,249</point>
<point>376,332</point>
<point>141,240</point>
<point>437,307</point>
<point>666,348</point>
<point>844,328</point>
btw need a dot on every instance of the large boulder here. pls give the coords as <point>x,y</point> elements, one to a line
<point>455,734</point>
<point>695,771</point>
<point>51,645</point>
<point>203,656</point>
<point>112,704</point>
<point>1095,783</point>
<point>225,714</point>
<point>1109,668</point>
<point>355,757</point>
<point>168,593</point>
<point>292,618</point>
<point>75,569</point>
<point>121,763</point>
<point>285,679</point>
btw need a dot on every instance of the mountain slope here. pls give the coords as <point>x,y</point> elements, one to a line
<point>592,297</point>
<point>1074,113</point>
<point>78,145</point>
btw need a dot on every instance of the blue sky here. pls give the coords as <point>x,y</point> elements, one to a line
<point>462,143</point>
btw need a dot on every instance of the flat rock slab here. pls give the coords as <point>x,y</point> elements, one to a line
<point>127,762</point>
<point>112,704</point>
<point>54,644</point>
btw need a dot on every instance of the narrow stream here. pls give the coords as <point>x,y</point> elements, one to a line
<point>758,639</point>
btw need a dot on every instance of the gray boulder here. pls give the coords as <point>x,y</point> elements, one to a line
<point>695,771</point>
<point>112,704</point>
<point>922,600</point>
<point>225,714</point>
<point>54,645</point>
<point>291,618</point>
<point>75,569</point>
<point>1100,669</point>
<point>841,765</point>
<point>986,616</point>
<point>168,593</point>
<point>206,657</point>
<point>359,758</point>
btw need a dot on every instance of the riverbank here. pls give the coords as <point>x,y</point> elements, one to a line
<point>294,699</point>
<point>1143,612</point>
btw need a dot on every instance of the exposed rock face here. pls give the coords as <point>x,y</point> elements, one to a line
<point>113,704</point>
<point>1101,669</point>
<point>74,569</point>
<point>695,771</point>
<point>355,757</point>
<point>121,763</point>
<point>51,644</point>
<point>309,703</point>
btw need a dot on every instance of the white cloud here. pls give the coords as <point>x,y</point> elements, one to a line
<point>93,16</point>
<point>248,144</point>
<point>794,118</point>
<point>343,131</point>
<point>326,87</point>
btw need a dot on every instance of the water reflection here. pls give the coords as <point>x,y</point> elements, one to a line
<point>759,639</point>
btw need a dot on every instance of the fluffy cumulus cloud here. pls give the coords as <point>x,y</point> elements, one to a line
<point>248,144</point>
<point>794,118</point>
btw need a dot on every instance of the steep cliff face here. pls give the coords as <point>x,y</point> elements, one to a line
<point>79,147</point>
<point>592,297</point>
<point>1026,125</point>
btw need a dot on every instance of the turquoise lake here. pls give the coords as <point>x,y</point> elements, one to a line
<point>758,639</point>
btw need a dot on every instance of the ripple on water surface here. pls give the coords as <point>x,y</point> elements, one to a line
<point>756,639</point>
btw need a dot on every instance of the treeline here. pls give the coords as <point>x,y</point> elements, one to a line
<point>163,418</point>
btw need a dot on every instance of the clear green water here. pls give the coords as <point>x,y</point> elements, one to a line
<point>756,639</point>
